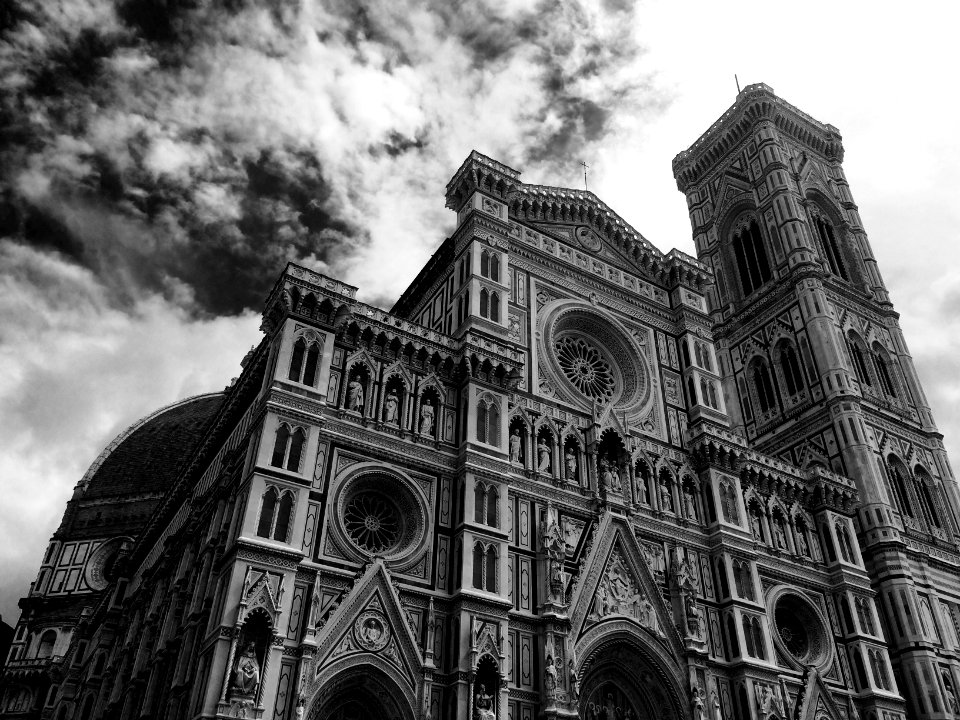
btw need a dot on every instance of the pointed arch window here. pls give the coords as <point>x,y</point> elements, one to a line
<point>288,448</point>
<point>479,502</point>
<point>859,365</point>
<point>46,644</point>
<point>790,366</point>
<point>763,386</point>
<point>751,258</point>
<point>490,569</point>
<point>304,361</point>
<point>843,540</point>
<point>831,248</point>
<point>488,421</point>
<point>276,512</point>
<point>484,302</point>
<point>478,559</point>
<point>728,503</point>
<point>898,483</point>
<point>493,505</point>
<point>881,364</point>
<point>923,483</point>
<point>490,265</point>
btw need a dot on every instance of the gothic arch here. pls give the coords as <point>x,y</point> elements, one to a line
<point>618,657</point>
<point>362,686</point>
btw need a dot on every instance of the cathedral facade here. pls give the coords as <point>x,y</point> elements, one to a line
<point>566,476</point>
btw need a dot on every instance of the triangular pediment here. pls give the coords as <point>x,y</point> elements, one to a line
<point>815,699</point>
<point>617,584</point>
<point>733,188</point>
<point>370,620</point>
<point>592,243</point>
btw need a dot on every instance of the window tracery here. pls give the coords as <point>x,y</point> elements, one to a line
<point>276,511</point>
<point>288,447</point>
<point>304,361</point>
<point>751,258</point>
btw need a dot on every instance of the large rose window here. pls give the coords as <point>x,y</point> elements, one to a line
<point>800,629</point>
<point>585,367</point>
<point>373,522</point>
<point>588,357</point>
<point>380,512</point>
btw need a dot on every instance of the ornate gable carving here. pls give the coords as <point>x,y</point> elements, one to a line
<point>370,620</point>
<point>618,584</point>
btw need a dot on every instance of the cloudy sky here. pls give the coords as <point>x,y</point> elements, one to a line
<point>161,161</point>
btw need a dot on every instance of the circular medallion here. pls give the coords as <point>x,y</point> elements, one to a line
<point>589,239</point>
<point>372,631</point>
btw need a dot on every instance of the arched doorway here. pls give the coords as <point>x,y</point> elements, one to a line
<point>619,681</point>
<point>359,693</point>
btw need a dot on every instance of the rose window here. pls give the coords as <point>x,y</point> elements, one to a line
<point>373,522</point>
<point>800,630</point>
<point>585,367</point>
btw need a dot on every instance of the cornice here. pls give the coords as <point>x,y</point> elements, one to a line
<point>755,104</point>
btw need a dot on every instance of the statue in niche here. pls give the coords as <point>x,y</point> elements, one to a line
<point>763,699</point>
<point>802,546</point>
<point>755,527</point>
<point>696,703</point>
<point>426,418</point>
<point>666,497</point>
<point>246,673</point>
<point>355,395</point>
<point>570,460</point>
<point>615,478</point>
<point>715,705</point>
<point>515,441</point>
<point>483,705</point>
<point>780,533</point>
<point>573,680</point>
<point>391,406</point>
<point>694,619</point>
<point>543,455</point>
<point>551,538</point>
<point>643,493</point>
<point>951,695</point>
<point>550,677</point>
<point>691,503</point>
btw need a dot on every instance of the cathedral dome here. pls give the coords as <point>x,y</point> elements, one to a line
<point>145,457</point>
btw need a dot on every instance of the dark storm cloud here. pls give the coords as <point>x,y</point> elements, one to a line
<point>147,141</point>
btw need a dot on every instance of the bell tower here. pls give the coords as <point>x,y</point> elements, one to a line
<point>816,370</point>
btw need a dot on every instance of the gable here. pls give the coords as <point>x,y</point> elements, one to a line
<point>617,583</point>
<point>370,620</point>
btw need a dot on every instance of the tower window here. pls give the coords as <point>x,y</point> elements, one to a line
<point>490,265</point>
<point>898,474</point>
<point>790,366</point>
<point>276,510</point>
<point>856,355</point>
<point>488,421</point>
<point>763,386</point>
<point>288,448</point>
<point>831,248</point>
<point>881,364</point>
<point>751,257</point>
<point>490,305</point>
<point>303,362</point>
<point>485,576</point>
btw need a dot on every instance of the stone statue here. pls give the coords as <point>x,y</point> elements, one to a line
<point>755,527</point>
<point>666,497</point>
<point>715,706</point>
<point>426,418</point>
<point>693,615</point>
<point>781,534</point>
<point>515,446</point>
<point>691,504</point>
<point>246,673</point>
<point>643,493</point>
<point>802,546</point>
<point>573,681</point>
<point>550,677</point>
<point>951,695</point>
<point>616,484</point>
<point>606,476</point>
<point>543,455</point>
<point>483,706</point>
<point>763,699</point>
<point>696,703</point>
<point>355,395</point>
<point>570,458</point>
<point>391,407</point>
